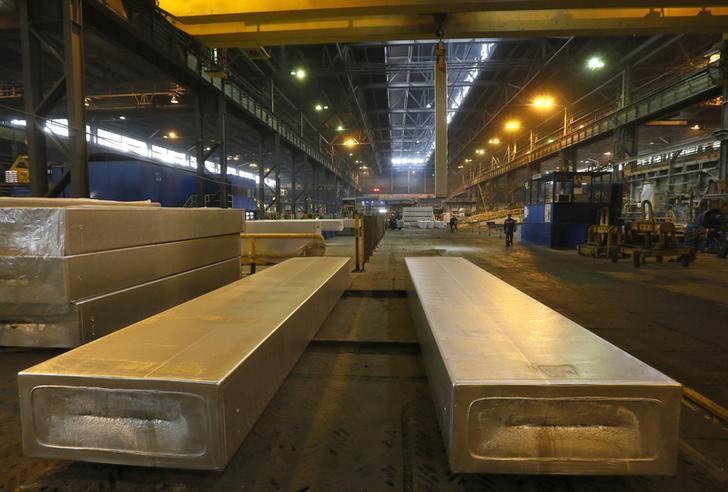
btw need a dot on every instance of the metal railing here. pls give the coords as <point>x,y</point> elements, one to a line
<point>648,105</point>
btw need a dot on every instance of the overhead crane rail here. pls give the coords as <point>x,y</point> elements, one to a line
<point>224,23</point>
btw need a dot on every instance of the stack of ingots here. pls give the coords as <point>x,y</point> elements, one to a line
<point>75,270</point>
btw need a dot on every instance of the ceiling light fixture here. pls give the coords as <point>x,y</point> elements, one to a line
<point>512,125</point>
<point>595,63</point>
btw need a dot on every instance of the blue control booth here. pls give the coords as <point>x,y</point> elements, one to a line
<point>560,206</point>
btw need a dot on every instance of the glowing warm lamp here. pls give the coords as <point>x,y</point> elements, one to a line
<point>544,102</point>
<point>512,125</point>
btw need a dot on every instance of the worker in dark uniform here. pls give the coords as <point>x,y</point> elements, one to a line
<point>453,224</point>
<point>509,227</point>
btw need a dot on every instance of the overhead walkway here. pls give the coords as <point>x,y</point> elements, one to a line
<point>687,90</point>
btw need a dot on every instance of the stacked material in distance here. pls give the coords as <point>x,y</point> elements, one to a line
<point>75,270</point>
<point>413,215</point>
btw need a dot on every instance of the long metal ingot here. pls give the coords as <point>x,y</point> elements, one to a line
<point>63,279</point>
<point>73,324</point>
<point>519,388</point>
<point>183,388</point>
<point>30,231</point>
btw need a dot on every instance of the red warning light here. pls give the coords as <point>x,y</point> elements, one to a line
<point>375,190</point>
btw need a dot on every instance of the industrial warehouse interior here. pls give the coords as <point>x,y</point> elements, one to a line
<point>364,246</point>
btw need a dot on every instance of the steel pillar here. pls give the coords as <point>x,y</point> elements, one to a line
<point>625,146</point>
<point>314,190</point>
<point>75,94</point>
<point>222,109</point>
<point>723,160</point>
<point>568,159</point>
<point>277,172</point>
<point>329,192</point>
<point>32,97</point>
<point>723,163</point>
<point>534,168</point>
<point>261,177</point>
<point>306,187</point>
<point>440,123</point>
<point>292,195</point>
<point>199,115</point>
<point>626,88</point>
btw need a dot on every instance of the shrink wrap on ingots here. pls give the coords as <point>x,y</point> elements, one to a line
<point>519,388</point>
<point>73,270</point>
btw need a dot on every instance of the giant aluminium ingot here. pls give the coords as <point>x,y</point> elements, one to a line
<point>519,388</point>
<point>79,322</point>
<point>182,388</point>
<point>61,231</point>
<point>29,280</point>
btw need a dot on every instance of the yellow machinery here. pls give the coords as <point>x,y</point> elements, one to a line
<point>602,239</point>
<point>647,237</point>
<point>19,171</point>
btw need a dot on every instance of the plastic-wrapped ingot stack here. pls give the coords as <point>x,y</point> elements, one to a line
<point>519,388</point>
<point>75,270</point>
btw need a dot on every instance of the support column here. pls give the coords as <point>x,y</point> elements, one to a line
<point>277,173</point>
<point>294,170</point>
<point>625,146</point>
<point>306,187</point>
<point>199,112</point>
<point>222,108</point>
<point>534,168</point>
<point>626,89</point>
<point>327,190</point>
<point>510,188</point>
<point>261,177</point>
<point>32,96</point>
<point>75,94</point>
<point>567,159</point>
<point>440,123</point>
<point>316,189</point>
<point>723,160</point>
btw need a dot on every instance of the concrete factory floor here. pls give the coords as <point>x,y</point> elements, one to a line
<point>356,412</point>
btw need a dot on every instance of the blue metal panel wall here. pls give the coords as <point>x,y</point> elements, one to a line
<point>534,229</point>
<point>570,223</point>
<point>132,180</point>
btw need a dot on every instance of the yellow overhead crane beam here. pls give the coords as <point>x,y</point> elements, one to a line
<point>248,24</point>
